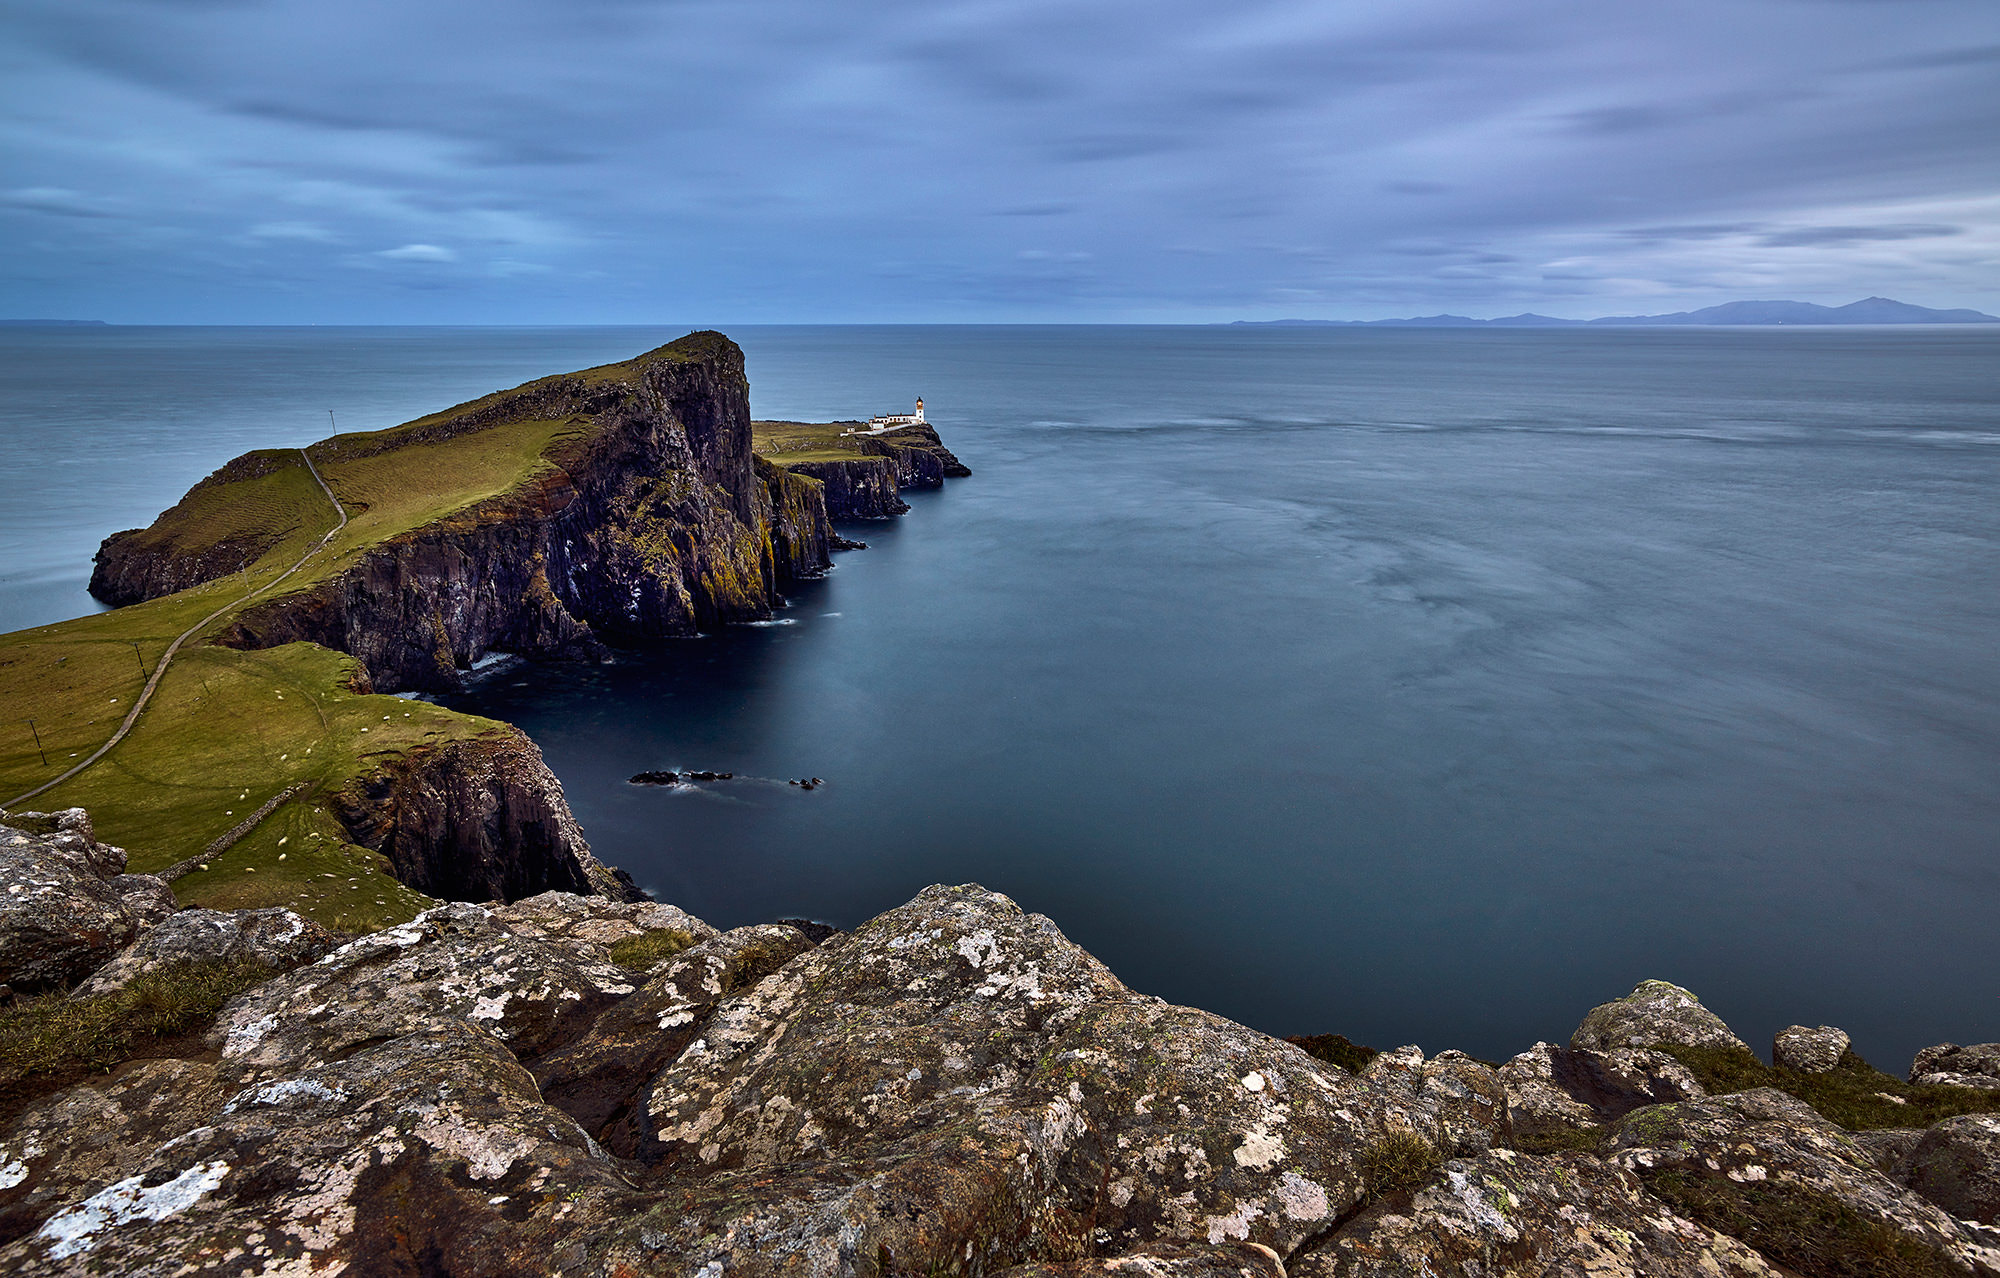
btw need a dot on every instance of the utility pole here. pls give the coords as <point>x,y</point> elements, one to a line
<point>138,656</point>
<point>38,743</point>
<point>331,422</point>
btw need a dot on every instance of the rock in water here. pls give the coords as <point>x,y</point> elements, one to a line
<point>1809,1050</point>
<point>1654,1014</point>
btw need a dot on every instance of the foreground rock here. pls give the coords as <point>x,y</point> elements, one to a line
<point>274,938</point>
<point>1654,1014</point>
<point>952,1088</point>
<point>1809,1050</point>
<point>66,903</point>
<point>1955,1066</point>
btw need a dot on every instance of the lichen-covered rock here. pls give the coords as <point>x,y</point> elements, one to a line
<point>1654,1014</point>
<point>1537,1104</point>
<point>275,938</point>
<point>1809,1049</point>
<point>62,912</point>
<point>430,1153</point>
<point>1887,1149</point>
<point>594,921</point>
<point>453,963</point>
<point>1234,1260</point>
<point>595,1078</point>
<point>94,1134</point>
<point>1465,1100</point>
<point>1763,1154</point>
<point>1981,1060</point>
<point>1510,1213</point>
<point>958,1055</point>
<point>1616,1082</point>
<point>146,896</point>
<point>1957,1166</point>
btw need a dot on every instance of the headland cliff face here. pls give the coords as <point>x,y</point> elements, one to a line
<point>861,475</point>
<point>649,519</point>
<point>567,1085</point>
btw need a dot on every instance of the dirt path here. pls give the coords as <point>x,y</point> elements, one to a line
<point>160,671</point>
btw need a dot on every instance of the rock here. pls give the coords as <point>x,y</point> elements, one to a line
<point>1978,1082</point>
<point>275,938</point>
<point>1957,1166</point>
<point>1616,1082</point>
<point>1237,1260</point>
<point>1980,1060</point>
<point>592,921</point>
<point>428,1146</point>
<point>62,910</point>
<point>1467,1098</point>
<point>594,1078</point>
<point>1887,1149</point>
<point>147,896</point>
<point>1537,1105</point>
<point>95,1134</point>
<point>1654,1014</point>
<point>455,963</point>
<point>1769,1164</point>
<point>964,1062</point>
<point>657,777</point>
<point>1809,1050</point>
<point>1511,1213</point>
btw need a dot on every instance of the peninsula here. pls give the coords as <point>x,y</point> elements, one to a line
<point>610,507</point>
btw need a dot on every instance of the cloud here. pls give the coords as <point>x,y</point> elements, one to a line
<point>1820,236</point>
<point>306,232</point>
<point>419,253</point>
<point>58,200</point>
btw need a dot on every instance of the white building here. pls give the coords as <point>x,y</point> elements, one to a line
<point>902,419</point>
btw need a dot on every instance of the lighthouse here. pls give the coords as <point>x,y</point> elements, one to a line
<point>920,408</point>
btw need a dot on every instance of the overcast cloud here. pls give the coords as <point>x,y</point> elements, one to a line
<point>681,161</point>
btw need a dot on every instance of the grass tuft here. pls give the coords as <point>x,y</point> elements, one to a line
<point>644,950</point>
<point>56,1037</point>
<point>1808,1233</point>
<point>1399,1159</point>
<point>1851,1094</point>
<point>1561,1140</point>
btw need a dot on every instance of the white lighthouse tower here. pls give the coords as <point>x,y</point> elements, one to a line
<point>920,408</point>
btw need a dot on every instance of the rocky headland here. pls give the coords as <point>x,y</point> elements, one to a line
<point>610,507</point>
<point>861,475</point>
<point>572,1085</point>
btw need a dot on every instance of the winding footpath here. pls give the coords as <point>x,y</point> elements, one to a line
<point>160,671</point>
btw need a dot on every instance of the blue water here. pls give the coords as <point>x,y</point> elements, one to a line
<point>1421,686</point>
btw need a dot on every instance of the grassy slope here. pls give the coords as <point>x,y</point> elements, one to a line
<point>227,730</point>
<point>784,442</point>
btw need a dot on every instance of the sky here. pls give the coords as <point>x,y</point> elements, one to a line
<point>829,161</point>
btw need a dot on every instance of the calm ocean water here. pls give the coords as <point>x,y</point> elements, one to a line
<point>1424,686</point>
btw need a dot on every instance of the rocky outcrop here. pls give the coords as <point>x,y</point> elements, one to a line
<point>1809,1050</point>
<point>1955,1066</point>
<point>920,457</point>
<point>863,481</point>
<point>952,1088</point>
<point>66,904</point>
<point>1654,1014</point>
<point>476,820</point>
<point>273,938</point>
<point>145,563</point>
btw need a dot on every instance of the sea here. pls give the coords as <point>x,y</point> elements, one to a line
<point>1424,686</point>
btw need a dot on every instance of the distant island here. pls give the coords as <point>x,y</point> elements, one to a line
<point>1870,310</point>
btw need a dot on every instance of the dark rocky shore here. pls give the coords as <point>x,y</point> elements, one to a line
<point>569,1084</point>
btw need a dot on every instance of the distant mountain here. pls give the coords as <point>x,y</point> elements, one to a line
<point>46,323</point>
<point>1871,310</point>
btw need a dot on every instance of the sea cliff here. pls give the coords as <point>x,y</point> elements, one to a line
<point>608,507</point>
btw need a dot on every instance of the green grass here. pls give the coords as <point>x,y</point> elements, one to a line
<point>642,951</point>
<point>805,441</point>
<point>52,1039</point>
<point>1561,1140</point>
<point>1851,1094</point>
<point>228,729</point>
<point>1809,1233</point>
<point>1335,1049</point>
